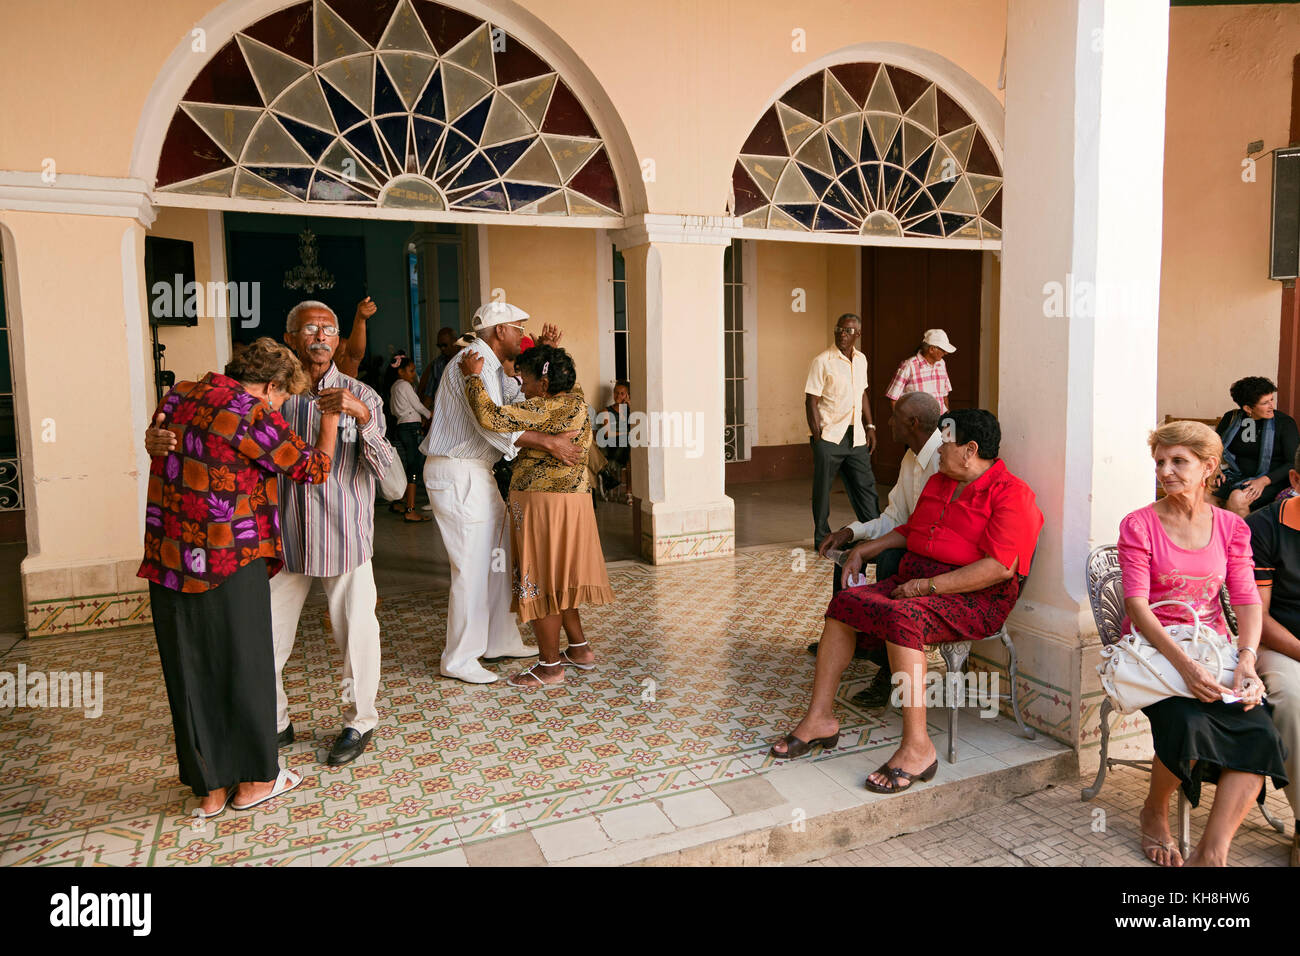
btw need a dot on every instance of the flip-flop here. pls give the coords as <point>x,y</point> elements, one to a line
<point>568,661</point>
<point>230,795</point>
<point>528,672</point>
<point>285,781</point>
<point>895,774</point>
<point>411,516</point>
<point>794,747</point>
<point>1151,844</point>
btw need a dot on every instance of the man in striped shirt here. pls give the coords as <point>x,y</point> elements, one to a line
<point>471,515</point>
<point>328,532</point>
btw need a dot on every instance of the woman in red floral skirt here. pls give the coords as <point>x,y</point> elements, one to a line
<point>969,543</point>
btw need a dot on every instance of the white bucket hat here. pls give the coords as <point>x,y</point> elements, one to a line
<point>940,338</point>
<point>497,313</point>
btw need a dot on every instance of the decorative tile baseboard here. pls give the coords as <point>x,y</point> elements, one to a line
<point>95,612</point>
<point>669,549</point>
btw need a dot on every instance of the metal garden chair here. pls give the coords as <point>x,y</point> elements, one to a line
<point>1106,594</point>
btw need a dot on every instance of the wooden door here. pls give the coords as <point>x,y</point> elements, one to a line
<point>905,292</point>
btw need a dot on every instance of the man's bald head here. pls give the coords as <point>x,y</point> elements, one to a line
<point>922,406</point>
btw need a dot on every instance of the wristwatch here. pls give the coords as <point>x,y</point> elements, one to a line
<point>872,427</point>
<point>933,588</point>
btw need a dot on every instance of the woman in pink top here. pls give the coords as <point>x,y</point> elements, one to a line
<point>1183,549</point>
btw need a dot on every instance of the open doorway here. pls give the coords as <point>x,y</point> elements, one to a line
<point>905,292</point>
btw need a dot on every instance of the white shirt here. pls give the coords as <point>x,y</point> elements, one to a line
<point>838,385</point>
<point>455,432</point>
<point>405,404</point>
<point>914,471</point>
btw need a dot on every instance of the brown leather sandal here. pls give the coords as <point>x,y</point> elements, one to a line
<point>794,747</point>
<point>896,774</point>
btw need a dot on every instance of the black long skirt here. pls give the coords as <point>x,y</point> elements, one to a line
<point>218,659</point>
<point>1198,740</point>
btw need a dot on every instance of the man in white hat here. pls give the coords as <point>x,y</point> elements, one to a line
<point>924,370</point>
<point>469,509</point>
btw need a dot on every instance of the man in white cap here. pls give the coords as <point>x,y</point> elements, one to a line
<point>924,371</point>
<point>469,509</point>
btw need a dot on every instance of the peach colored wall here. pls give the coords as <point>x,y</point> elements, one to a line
<point>1229,83</point>
<point>688,87</point>
<point>551,275</point>
<point>788,340</point>
<point>191,350</point>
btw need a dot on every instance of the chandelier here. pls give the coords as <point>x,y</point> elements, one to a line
<point>308,276</point>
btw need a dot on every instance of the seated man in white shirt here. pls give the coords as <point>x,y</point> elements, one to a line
<point>915,423</point>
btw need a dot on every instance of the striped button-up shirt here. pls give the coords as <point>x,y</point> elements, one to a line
<point>329,529</point>
<point>915,374</point>
<point>455,432</point>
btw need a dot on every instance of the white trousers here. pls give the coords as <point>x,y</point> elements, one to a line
<point>1281,676</point>
<point>472,519</point>
<point>351,601</point>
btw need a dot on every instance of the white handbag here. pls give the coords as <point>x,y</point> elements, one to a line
<point>393,485</point>
<point>1134,674</point>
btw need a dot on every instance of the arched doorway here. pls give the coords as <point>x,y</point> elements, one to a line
<point>876,154</point>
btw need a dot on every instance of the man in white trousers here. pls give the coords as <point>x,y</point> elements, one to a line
<point>467,504</point>
<point>327,530</point>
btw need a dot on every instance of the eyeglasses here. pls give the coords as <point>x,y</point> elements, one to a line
<point>844,331</point>
<point>513,325</point>
<point>329,330</point>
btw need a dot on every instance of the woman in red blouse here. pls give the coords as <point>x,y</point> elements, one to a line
<point>211,545</point>
<point>969,542</point>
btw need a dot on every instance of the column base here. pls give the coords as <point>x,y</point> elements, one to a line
<point>84,598</point>
<point>671,534</point>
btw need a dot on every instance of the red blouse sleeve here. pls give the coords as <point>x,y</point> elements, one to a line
<point>1013,525</point>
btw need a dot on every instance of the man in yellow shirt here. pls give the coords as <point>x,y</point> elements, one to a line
<point>843,435</point>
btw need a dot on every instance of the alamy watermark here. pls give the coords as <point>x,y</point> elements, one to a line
<point>978,689</point>
<point>219,300</point>
<point>653,430</point>
<point>78,690</point>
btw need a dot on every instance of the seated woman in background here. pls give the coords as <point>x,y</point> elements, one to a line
<point>969,543</point>
<point>1259,444</point>
<point>1182,549</point>
<point>558,561</point>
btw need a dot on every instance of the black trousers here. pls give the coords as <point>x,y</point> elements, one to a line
<point>853,465</point>
<point>407,437</point>
<point>218,660</point>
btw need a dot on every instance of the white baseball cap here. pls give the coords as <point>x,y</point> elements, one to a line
<point>497,313</point>
<point>940,338</point>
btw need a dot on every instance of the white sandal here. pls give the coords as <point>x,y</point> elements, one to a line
<point>285,781</point>
<point>198,812</point>
<point>529,673</point>
<point>570,662</point>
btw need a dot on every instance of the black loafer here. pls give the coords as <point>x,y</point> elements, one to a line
<point>348,746</point>
<point>875,694</point>
<point>285,737</point>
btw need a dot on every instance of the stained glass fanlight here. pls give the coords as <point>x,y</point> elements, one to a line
<point>869,149</point>
<point>393,103</point>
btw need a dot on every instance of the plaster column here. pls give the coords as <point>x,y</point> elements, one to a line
<point>74,281</point>
<point>1077,370</point>
<point>675,316</point>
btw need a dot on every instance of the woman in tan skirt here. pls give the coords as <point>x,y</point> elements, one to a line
<point>558,561</point>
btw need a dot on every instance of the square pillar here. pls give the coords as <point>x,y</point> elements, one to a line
<point>1078,325</point>
<point>83,379</point>
<point>675,327</point>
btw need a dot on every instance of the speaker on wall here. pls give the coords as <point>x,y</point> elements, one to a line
<point>1284,235</point>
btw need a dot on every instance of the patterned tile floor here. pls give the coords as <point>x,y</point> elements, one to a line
<point>701,666</point>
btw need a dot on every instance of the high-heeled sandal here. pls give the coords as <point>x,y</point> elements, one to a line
<point>528,672</point>
<point>570,662</point>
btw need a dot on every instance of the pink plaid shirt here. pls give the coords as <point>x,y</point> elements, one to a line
<point>915,374</point>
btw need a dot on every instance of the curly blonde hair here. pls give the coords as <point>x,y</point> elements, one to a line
<point>1198,438</point>
<point>266,360</point>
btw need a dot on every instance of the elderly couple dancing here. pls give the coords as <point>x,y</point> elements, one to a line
<point>542,423</point>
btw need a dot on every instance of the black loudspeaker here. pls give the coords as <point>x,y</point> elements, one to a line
<point>1284,238</point>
